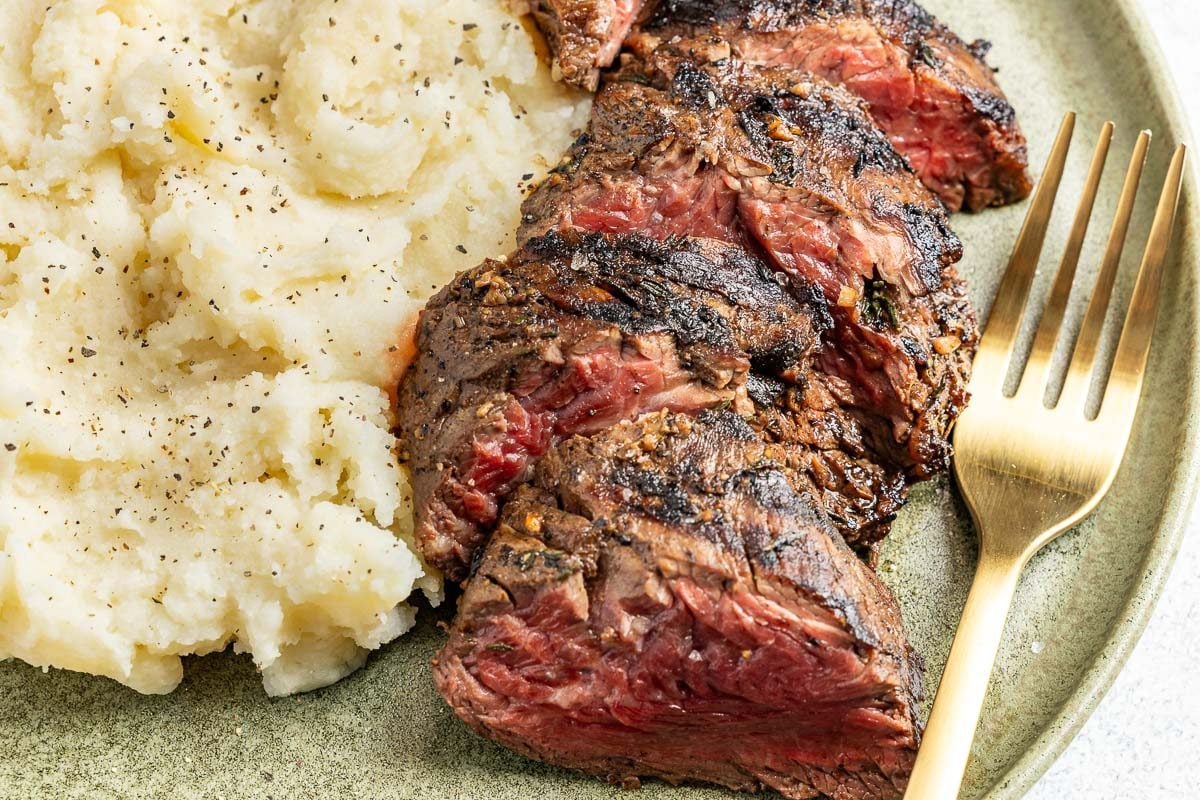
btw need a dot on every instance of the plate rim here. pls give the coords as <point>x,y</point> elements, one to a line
<point>1136,613</point>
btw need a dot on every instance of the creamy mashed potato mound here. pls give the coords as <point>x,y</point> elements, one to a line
<point>217,221</point>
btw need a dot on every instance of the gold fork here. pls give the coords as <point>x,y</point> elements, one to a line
<point>1029,470</point>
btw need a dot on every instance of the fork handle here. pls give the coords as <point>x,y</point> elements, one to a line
<point>946,746</point>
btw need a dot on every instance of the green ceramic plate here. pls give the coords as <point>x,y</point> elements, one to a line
<point>383,733</point>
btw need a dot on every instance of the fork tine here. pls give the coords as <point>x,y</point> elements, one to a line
<point>1129,363</point>
<point>991,361</point>
<point>1037,368</point>
<point>1079,374</point>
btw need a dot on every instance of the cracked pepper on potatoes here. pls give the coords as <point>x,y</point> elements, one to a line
<point>217,219</point>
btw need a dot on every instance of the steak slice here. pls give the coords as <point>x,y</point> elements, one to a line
<point>795,170</point>
<point>667,599</point>
<point>585,35</point>
<point>568,336</point>
<point>932,93</point>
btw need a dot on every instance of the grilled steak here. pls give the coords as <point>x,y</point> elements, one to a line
<point>585,35</point>
<point>793,169</point>
<point>655,441</point>
<point>569,336</point>
<point>666,599</point>
<point>932,93</point>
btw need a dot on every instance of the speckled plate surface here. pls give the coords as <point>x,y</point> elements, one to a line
<point>384,733</point>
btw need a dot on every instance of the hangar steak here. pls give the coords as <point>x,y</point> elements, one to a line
<point>791,168</point>
<point>930,91</point>
<point>665,598</point>
<point>570,335</point>
<point>657,443</point>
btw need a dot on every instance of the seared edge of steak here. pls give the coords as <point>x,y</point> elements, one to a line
<point>932,93</point>
<point>570,335</point>
<point>585,35</point>
<point>667,599</point>
<point>832,446</point>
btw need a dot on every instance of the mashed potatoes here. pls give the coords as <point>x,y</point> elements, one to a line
<point>217,219</point>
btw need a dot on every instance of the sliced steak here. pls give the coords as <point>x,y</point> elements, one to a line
<point>931,92</point>
<point>667,599</point>
<point>585,35</point>
<point>793,169</point>
<point>568,336</point>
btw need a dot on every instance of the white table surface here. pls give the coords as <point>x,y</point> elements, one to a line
<point>1143,742</point>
